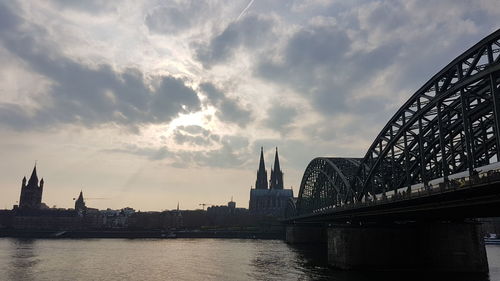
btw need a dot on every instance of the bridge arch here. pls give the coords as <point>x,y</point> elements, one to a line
<point>326,183</point>
<point>450,125</point>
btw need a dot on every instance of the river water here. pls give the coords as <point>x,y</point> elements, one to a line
<point>186,259</point>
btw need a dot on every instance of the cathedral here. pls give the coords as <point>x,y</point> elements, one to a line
<point>31,193</point>
<point>269,199</point>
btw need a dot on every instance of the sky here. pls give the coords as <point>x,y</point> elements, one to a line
<point>149,103</point>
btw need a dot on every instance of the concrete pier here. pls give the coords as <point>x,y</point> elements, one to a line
<point>306,234</point>
<point>432,246</point>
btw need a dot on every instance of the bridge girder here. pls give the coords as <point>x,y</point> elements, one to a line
<point>450,125</point>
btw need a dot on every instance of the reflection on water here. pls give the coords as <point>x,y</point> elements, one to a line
<point>188,259</point>
<point>23,260</point>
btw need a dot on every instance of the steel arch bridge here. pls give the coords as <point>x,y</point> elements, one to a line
<point>449,126</point>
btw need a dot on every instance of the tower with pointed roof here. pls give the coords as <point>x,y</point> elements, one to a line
<point>261,182</point>
<point>31,193</point>
<point>276,181</point>
<point>270,201</point>
<point>80,206</point>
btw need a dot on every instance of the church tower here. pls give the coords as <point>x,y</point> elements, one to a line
<point>261,182</point>
<point>270,201</point>
<point>31,193</point>
<point>80,206</point>
<point>276,181</point>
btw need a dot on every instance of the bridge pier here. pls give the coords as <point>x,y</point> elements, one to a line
<point>430,246</point>
<point>306,234</point>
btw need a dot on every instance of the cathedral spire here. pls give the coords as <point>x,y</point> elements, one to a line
<point>261,182</point>
<point>276,181</point>
<point>276,161</point>
<point>262,166</point>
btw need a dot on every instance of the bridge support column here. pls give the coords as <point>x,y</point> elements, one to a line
<point>451,247</point>
<point>306,234</point>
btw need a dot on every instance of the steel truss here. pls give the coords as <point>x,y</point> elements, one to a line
<point>450,125</point>
<point>327,182</point>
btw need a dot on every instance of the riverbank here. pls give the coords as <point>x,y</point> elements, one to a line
<point>140,234</point>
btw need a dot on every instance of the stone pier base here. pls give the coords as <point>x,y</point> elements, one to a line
<point>450,247</point>
<point>306,234</point>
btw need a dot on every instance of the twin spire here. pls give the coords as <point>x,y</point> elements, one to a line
<point>276,181</point>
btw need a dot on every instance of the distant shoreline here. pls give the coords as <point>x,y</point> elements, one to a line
<point>133,234</point>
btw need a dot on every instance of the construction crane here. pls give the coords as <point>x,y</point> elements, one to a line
<point>203,205</point>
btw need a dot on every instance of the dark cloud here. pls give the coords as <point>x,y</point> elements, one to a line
<point>280,117</point>
<point>89,95</point>
<point>371,53</point>
<point>251,31</point>
<point>228,109</point>
<point>8,20</point>
<point>15,115</point>
<point>317,46</point>
<point>317,64</point>
<point>313,59</point>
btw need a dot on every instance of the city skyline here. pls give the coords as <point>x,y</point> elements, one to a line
<point>153,103</point>
<point>33,180</point>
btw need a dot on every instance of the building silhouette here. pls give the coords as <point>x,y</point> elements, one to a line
<point>270,201</point>
<point>31,193</point>
<point>80,206</point>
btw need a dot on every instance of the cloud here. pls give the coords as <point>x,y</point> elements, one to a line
<point>280,117</point>
<point>85,94</point>
<point>228,109</point>
<point>172,18</point>
<point>227,151</point>
<point>199,148</point>
<point>316,63</point>
<point>369,52</point>
<point>311,63</point>
<point>195,135</point>
<point>293,153</point>
<point>252,31</point>
<point>151,153</point>
<point>8,20</point>
<point>232,153</point>
<point>348,65</point>
<point>89,6</point>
